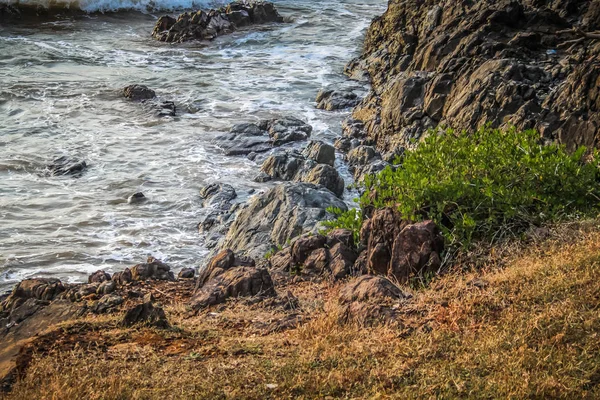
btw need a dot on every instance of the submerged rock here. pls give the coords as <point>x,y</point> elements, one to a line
<point>67,166</point>
<point>138,92</point>
<point>207,25</point>
<point>137,198</point>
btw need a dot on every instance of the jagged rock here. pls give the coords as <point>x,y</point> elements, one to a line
<point>463,64</point>
<point>282,260</point>
<point>369,300</point>
<point>106,287</point>
<point>201,25</point>
<point>138,92</point>
<point>99,277</point>
<point>331,99</point>
<point>317,262</point>
<point>343,236</point>
<point>186,273</point>
<point>287,166</point>
<point>325,176</point>
<point>287,129</point>
<point>320,152</point>
<point>218,264</point>
<point>37,288</point>
<point>137,198</point>
<point>235,282</point>
<point>153,269</point>
<point>416,250</point>
<point>396,248</point>
<point>106,304</point>
<point>218,196</point>
<point>248,138</point>
<point>146,314</point>
<point>274,217</point>
<point>370,288</point>
<point>305,245</point>
<point>123,277</point>
<point>67,166</point>
<point>342,261</point>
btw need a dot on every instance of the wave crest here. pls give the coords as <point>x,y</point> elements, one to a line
<point>90,6</point>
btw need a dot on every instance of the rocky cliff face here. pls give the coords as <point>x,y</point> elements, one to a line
<point>463,63</point>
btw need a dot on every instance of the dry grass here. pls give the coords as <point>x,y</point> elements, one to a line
<point>528,330</point>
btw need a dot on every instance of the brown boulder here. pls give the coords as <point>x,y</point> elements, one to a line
<point>123,277</point>
<point>146,314</point>
<point>99,277</point>
<point>344,236</point>
<point>342,261</point>
<point>235,282</point>
<point>153,269</point>
<point>416,250</point>
<point>317,262</point>
<point>305,245</point>
<point>370,288</point>
<point>377,236</point>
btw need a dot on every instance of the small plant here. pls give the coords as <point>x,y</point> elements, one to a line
<point>483,186</point>
<point>351,219</point>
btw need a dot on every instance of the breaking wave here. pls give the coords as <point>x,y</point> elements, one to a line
<point>90,6</point>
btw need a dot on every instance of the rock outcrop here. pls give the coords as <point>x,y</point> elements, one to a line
<point>331,99</point>
<point>207,25</point>
<point>147,314</point>
<point>398,249</point>
<point>247,138</point>
<point>463,64</point>
<point>290,165</point>
<point>277,216</point>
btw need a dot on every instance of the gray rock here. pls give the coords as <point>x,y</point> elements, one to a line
<point>279,215</point>
<point>326,176</point>
<point>67,166</point>
<point>218,196</point>
<point>331,99</point>
<point>288,129</point>
<point>321,152</point>
<point>186,273</point>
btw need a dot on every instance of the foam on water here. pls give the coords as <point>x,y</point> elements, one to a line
<point>91,6</point>
<point>60,96</point>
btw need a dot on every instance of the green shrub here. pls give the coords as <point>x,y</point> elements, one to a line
<point>484,185</point>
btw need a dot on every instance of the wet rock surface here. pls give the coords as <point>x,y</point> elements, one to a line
<point>67,166</point>
<point>207,25</point>
<point>138,92</point>
<point>332,99</point>
<point>277,216</point>
<point>463,64</point>
<point>248,138</point>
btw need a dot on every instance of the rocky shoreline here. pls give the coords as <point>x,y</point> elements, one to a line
<point>454,64</point>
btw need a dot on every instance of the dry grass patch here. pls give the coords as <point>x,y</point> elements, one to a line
<point>529,330</point>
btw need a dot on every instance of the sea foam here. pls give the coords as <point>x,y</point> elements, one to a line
<point>90,6</point>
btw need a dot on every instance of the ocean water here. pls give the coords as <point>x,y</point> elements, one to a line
<point>60,82</point>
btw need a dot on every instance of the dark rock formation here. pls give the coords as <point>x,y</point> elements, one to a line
<point>186,273</point>
<point>331,99</point>
<point>138,92</point>
<point>320,152</point>
<point>234,282</point>
<point>396,248</point>
<point>207,25</point>
<point>218,196</point>
<point>463,64</point>
<point>277,216</point>
<point>146,314</point>
<point>153,269</point>
<point>99,277</point>
<point>137,198</point>
<point>67,166</point>
<point>247,138</point>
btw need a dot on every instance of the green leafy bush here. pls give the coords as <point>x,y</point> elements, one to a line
<point>484,185</point>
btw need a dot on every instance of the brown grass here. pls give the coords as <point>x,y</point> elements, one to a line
<point>527,330</point>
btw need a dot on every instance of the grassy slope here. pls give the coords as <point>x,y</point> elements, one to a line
<point>528,330</point>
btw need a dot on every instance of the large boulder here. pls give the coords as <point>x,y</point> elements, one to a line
<point>320,152</point>
<point>326,176</point>
<point>235,282</point>
<point>464,64</point>
<point>247,138</point>
<point>218,196</point>
<point>147,314</point>
<point>275,217</point>
<point>398,249</point>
